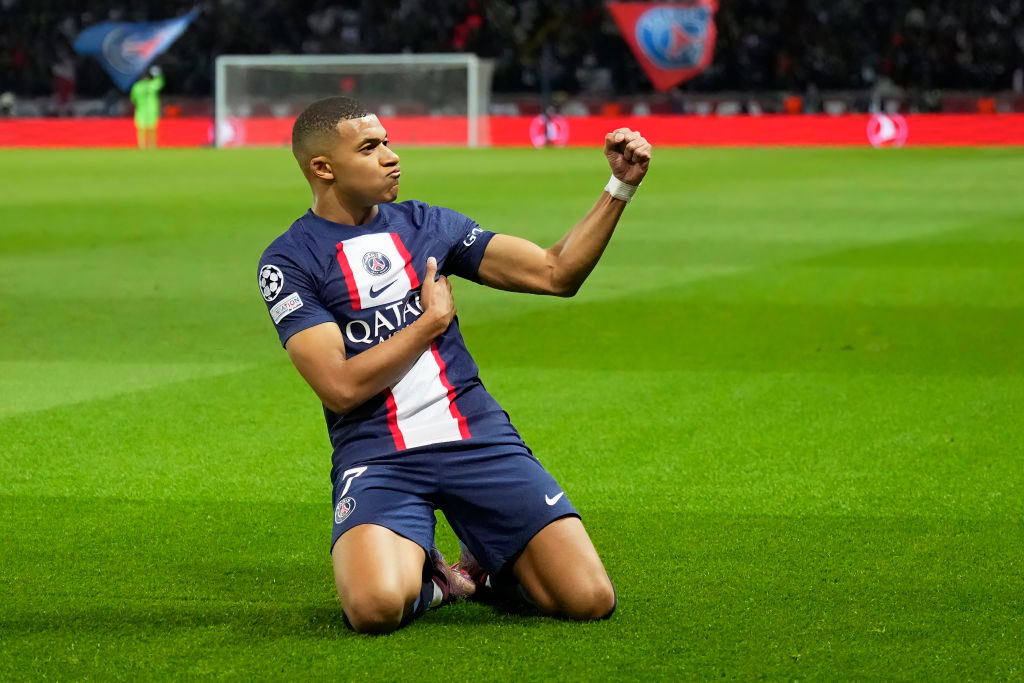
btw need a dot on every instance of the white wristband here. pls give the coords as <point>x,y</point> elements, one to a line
<point>620,190</point>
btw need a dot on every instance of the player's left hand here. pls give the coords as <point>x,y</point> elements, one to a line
<point>629,155</point>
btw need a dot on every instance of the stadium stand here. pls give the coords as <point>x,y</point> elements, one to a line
<point>909,49</point>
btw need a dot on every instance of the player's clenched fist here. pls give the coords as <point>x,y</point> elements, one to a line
<point>629,155</point>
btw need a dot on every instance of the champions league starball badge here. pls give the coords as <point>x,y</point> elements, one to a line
<point>271,281</point>
<point>376,263</point>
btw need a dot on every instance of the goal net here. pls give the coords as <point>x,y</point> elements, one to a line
<point>425,99</point>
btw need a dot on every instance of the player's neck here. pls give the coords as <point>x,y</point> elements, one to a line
<point>329,208</point>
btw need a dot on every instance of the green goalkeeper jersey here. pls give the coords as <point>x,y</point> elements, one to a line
<point>145,96</point>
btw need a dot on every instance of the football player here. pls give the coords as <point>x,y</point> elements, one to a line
<point>358,291</point>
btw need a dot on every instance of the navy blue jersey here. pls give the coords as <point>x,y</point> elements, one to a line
<point>367,279</point>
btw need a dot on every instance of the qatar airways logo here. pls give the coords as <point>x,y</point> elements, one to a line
<point>386,321</point>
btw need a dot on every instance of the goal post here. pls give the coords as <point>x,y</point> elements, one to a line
<point>427,99</point>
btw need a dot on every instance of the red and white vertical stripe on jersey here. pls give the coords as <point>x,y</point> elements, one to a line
<point>410,271</point>
<point>396,433</point>
<point>450,388</point>
<point>366,289</point>
<point>421,406</point>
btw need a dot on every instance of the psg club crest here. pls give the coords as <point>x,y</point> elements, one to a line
<point>376,263</point>
<point>344,508</point>
<point>673,42</point>
<point>126,48</point>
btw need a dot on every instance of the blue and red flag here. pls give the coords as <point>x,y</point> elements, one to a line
<point>673,41</point>
<point>126,48</point>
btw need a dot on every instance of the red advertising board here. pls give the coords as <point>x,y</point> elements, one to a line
<point>515,131</point>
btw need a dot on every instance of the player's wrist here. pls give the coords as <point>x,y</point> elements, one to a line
<point>620,190</point>
<point>433,324</point>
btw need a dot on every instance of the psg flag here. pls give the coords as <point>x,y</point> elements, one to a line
<point>673,41</point>
<point>126,48</point>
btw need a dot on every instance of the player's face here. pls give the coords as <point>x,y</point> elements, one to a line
<point>365,169</point>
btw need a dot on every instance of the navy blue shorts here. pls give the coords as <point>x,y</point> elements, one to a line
<point>496,498</point>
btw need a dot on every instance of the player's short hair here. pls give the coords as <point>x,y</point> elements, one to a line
<point>317,125</point>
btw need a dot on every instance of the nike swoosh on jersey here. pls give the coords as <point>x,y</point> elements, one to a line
<point>552,500</point>
<point>374,293</point>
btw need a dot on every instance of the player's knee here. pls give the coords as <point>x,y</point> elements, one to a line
<point>380,611</point>
<point>591,601</point>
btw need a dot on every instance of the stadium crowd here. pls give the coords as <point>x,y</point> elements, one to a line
<point>571,46</point>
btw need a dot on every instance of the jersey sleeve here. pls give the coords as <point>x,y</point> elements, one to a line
<point>465,242</point>
<point>290,294</point>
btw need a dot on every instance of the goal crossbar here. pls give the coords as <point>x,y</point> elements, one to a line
<point>478,76</point>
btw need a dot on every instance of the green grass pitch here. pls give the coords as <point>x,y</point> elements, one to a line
<point>789,403</point>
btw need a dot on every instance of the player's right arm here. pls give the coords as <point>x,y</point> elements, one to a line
<point>518,265</point>
<point>318,352</point>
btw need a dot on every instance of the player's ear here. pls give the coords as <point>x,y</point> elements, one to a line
<point>320,167</point>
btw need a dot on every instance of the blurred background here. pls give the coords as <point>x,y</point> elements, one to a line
<point>793,56</point>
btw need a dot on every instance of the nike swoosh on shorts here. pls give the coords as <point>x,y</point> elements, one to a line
<point>552,500</point>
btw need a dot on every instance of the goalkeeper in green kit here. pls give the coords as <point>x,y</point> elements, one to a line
<point>145,96</point>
